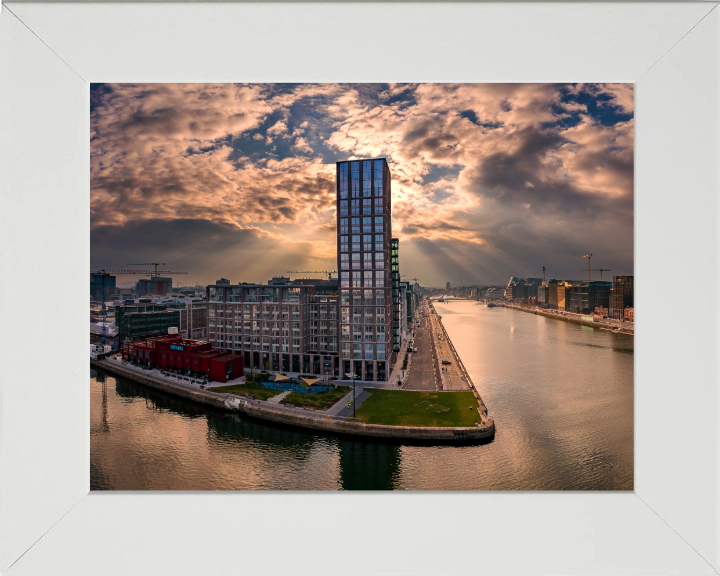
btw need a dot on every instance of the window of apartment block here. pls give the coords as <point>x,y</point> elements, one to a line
<point>381,351</point>
<point>355,179</point>
<point>368,351</point>
<point>367,178</point>
<point>343,180</point>
<point>378,178</point>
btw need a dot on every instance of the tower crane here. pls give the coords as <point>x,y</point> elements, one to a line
<point>156,264</point>
<point>601,270</point>
<point>157,272</point>
<point>104,274</point>
<point>588,256</point>
<point>329,273</point>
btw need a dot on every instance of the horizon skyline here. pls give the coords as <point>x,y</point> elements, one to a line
<point>237,181</point>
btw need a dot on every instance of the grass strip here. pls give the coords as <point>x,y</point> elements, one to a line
<point>415,408</point>
<point>319,401</point>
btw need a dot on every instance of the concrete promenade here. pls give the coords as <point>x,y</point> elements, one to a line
<point>452,376</point>
<point>459,373</point>
<point>336,408</point>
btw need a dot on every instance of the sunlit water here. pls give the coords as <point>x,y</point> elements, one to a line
<point>561,395</point>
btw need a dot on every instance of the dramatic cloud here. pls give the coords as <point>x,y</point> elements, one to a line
<point>489,180</point>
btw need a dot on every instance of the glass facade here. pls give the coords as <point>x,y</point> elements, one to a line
<point>364,265</point>
<point>395,279</point>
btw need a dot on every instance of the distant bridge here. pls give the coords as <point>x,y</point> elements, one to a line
<point>449,298</point>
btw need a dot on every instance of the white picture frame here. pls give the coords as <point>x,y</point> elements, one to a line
<point>51,524</point>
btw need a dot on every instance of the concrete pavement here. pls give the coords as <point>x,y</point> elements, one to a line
<point>423,370</point>
<point>337,408</point>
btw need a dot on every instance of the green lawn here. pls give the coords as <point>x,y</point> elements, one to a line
<point>412,408</point>
<point>248,389</point>
<point>320,401</point>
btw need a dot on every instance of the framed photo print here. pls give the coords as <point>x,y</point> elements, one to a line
<point>363,284</point>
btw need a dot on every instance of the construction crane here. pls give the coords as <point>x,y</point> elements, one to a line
<point>329,273</point>
<point>588,256</point>
<point>156,264</point>
<point>104,274</point>
<point>601,270</point>
<point>157,272</point>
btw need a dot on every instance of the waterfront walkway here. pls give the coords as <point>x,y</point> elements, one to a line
<point>451,375</point>
<point>340,408</point>
<point>187,381</point>
<point>195,384</point>
<point>293,415</point>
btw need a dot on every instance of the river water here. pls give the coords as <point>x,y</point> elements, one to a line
<point>561,395</point>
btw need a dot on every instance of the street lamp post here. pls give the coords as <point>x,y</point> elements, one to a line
<point>353,379</point>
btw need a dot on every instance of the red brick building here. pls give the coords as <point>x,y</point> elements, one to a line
<point>191,357</point>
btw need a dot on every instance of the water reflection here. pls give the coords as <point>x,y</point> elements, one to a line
<point>561,395</point>
<point>369,465</point>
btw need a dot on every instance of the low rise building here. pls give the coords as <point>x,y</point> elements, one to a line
<point>629,314</point>
<point>137,320</point>
<point>192,316</point>
<point>184,356</point>
<point>112,334</point>
<point>495,294</point>
<point>622,295</point>
<point>154,286</point>
<point>96,286</point>
<point>285,326</point>
<point>585,297</point>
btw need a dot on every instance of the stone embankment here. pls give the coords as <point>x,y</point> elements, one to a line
<point>319,420</point>
<point>570,319</point>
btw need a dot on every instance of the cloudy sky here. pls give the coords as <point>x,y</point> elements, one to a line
<point>238,181</point>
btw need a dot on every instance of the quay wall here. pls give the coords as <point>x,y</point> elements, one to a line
<point>208,398</point>
<point>338,426</point>
<point>567,319</point>
<point>288,416</point>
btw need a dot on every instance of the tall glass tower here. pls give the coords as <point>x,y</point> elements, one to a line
<point>364,233</point>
